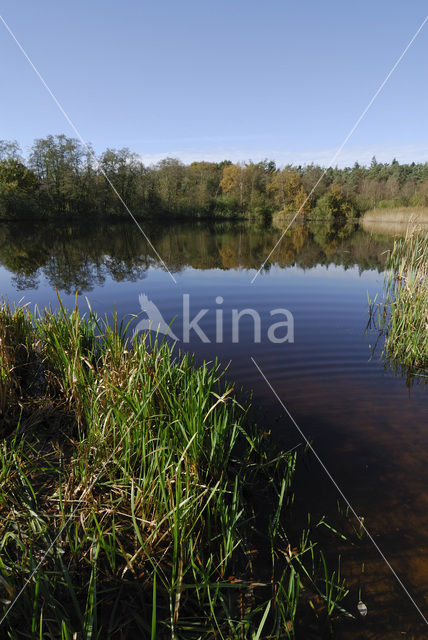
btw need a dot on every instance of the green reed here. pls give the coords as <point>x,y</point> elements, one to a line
<point>127,486</point>
<point>403,316</point>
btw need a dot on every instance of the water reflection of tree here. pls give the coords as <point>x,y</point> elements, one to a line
<point>79,257</point>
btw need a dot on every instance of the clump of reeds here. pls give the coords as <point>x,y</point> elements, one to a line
<point>403,317</point>
<point>15,342</point>
<point>139,521</point>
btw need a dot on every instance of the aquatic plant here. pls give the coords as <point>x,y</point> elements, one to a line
<point>403,315</point>
<point>129,491</point>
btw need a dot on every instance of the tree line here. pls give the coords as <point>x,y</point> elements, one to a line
<point>62,177</point>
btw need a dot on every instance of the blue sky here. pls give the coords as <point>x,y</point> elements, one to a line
<point>215,79</point>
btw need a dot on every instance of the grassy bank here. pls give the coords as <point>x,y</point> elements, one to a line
<point>403,314</point>
<point>131,489</point>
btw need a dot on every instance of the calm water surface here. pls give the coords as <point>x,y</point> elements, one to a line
<point>369,426</point>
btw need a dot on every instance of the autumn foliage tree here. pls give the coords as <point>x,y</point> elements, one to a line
<point>246,183</point>
<point>335,204</point>
<point>287,192</point>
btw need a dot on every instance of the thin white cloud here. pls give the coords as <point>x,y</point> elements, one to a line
<point>363,155</point>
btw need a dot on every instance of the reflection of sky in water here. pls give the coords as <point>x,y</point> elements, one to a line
<point>370,430</point>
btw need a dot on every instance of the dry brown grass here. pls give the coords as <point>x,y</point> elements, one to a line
<point>398,214</point>
<point>395,221</point>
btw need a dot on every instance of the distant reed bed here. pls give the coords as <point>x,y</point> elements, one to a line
<point>396,214</point>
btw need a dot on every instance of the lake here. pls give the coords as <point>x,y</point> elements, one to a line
<point>367,423</point>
